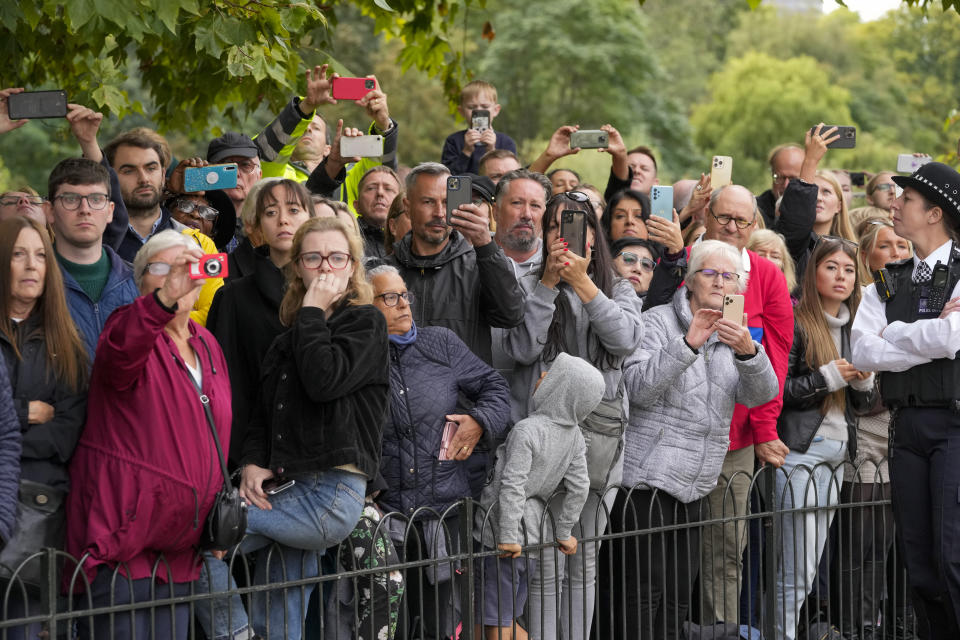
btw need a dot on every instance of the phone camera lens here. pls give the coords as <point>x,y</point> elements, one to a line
<point>453,183</point>
<point>368,84</point>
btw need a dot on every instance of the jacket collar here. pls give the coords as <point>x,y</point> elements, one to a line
<point>456,246</point>
<point>269,279</point>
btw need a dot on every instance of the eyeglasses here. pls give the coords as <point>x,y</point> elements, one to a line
<point>314,260</point>
<point>576,196</point>
<point>886,186</point>
<point>850,243</point>
<point>156,269</point>
<point>248,166</point>
<point>190,206</point>
<point>630,259</point>
<point>728,276</point>
<point>10,201</point>
<point>725,219</point>
<point>71,201</point>
<point>780,179</point>
<point>393,299</point>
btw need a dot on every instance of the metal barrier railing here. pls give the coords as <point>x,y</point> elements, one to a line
<point>801,556</point>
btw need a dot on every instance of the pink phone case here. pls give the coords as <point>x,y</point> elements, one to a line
<point>449,430</point>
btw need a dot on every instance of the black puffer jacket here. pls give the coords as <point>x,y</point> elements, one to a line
<point>463,289</point>
<point>47,447</point>
<point>324,392</point>
<point>426,378</point>
<point>804,392</point>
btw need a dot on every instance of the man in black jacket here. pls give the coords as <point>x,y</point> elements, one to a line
<point>461,278</point>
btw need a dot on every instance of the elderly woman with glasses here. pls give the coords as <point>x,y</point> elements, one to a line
<point>145,472</point>
<point>694,364</point>
<point>315,435</point>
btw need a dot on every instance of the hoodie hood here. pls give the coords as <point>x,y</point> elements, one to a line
<point>572,389</point>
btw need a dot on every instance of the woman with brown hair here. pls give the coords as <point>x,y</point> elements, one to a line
<point>317,426</point>
<point>47,365</point>
<point>821,396</point>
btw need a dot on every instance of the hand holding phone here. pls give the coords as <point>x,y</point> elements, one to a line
<point>846,136</point>
<point>37,104</point>
<point>352,88</point>
<point>480,120</point>
<point>459,192</point>
<point>449,431</point>
<point>661,201</point>
<point>733,308</point>
<point>721,171</point>
<point>210,177</point>
<point>573,229</point>
<point>275,485</point>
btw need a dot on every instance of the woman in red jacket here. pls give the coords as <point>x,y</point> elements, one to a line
<point>145,473</point>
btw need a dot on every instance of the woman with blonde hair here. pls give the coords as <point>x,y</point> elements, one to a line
<point>832,216</point>
<point>879,245</point>
<point>771,245</point>
<point>316,428</point>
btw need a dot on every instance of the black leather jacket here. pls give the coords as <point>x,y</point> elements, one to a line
<point>804,391</point>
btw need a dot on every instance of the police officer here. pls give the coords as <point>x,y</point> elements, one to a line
<point>907,327</point>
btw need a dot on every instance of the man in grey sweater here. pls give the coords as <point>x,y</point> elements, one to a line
<point>542,450</point>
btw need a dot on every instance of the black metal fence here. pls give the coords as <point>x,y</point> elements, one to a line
<point>797,558</point>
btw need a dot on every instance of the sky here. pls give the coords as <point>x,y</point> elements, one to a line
<point>868,9</point>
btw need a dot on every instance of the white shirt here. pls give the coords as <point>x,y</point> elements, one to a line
<point>903,344</point>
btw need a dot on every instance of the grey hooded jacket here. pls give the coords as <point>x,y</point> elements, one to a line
<point>542,451</point>
<point>681,403</point>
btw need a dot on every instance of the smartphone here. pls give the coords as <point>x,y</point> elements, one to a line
<point>459,192</point>
<point>214,176</point>
<point>352,88</point>
<point>361,147</point>
<point>589,139</point>
<point>273,486</point>
<point>847,139</point>
<point>449,430</point>
<point>661,202</point>
<point>721,171</point>
<point>210,265</point>
<point>908,163</point>
<point>37,104</point>
<point>733,308</point>
<point>480,120</point>
<point>573,229</point>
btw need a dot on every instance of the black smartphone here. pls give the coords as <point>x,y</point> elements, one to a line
<point>459,191</point>
<point>37,104</point>
<point>847,139</point>
<point>573,229</point>
<point>273,486</point>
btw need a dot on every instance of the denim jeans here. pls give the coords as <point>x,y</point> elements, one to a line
<point>317,512</point>
<point>810,479</point>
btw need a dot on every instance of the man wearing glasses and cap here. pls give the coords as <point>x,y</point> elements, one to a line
<point>907,328</point>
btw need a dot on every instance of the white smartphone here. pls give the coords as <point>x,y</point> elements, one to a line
<point>733,308</point>
<point>721,171</point>
<point>361,147</point>
<point>908,163</point>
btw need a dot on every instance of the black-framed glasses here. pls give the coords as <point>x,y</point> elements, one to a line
<point>825,238</point>
<point>728,276</point>
<point>630,259</point>
<point>156,269</point>
<point>202,210</point>
<point>576,196</point>
<point>314,260</point>
<point>391,299</point>
<point>9,201</point>
<point>725,219</point>
<point>71,201</point>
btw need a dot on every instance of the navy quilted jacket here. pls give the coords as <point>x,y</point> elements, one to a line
<point>426,378</point>
<point>9,458</point>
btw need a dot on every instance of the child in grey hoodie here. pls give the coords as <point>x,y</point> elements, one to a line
<point>541,450</point>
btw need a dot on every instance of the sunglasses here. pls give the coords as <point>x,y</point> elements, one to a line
<point>630,259</point>
<point>850,243</point>
<point>576,196</point>
<point>190,206</point>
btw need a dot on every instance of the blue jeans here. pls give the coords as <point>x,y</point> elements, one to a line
<point>317,512</point>
<point>810,479</point>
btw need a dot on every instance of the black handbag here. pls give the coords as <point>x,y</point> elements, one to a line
<point>227,521</point>
<point>40,524</point>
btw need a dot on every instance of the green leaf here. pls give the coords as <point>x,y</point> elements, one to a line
<point>167,11</point>
<point>206,39</point>
<point>109,97</point>
<point>79,13</point>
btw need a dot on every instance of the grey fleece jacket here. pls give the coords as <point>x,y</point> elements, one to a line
<point>542,451</point>
<point>681,403</point>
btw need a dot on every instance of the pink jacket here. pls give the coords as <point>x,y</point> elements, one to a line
<point>145,472</point>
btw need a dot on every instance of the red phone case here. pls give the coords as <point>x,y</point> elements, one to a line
<point>352,88</point>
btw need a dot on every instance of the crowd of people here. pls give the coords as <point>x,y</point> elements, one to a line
<point>372,351</point>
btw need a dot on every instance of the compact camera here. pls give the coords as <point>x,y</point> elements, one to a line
<point>210,265</point>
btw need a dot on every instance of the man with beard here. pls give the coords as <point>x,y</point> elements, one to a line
<point>378,187</point>
<point>141,157</point>
<point>521,200</point>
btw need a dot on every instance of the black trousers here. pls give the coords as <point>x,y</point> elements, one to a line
<point>925,478</point>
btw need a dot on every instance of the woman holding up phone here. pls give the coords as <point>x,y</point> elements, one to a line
<point>577,305</point>
<point>821,396</point>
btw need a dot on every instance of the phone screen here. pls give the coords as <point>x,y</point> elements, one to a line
<point>573,229</point>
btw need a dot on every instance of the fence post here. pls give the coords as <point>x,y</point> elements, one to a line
<point>467,595</point>
<point>771,551</point>
<point>48,595</point>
